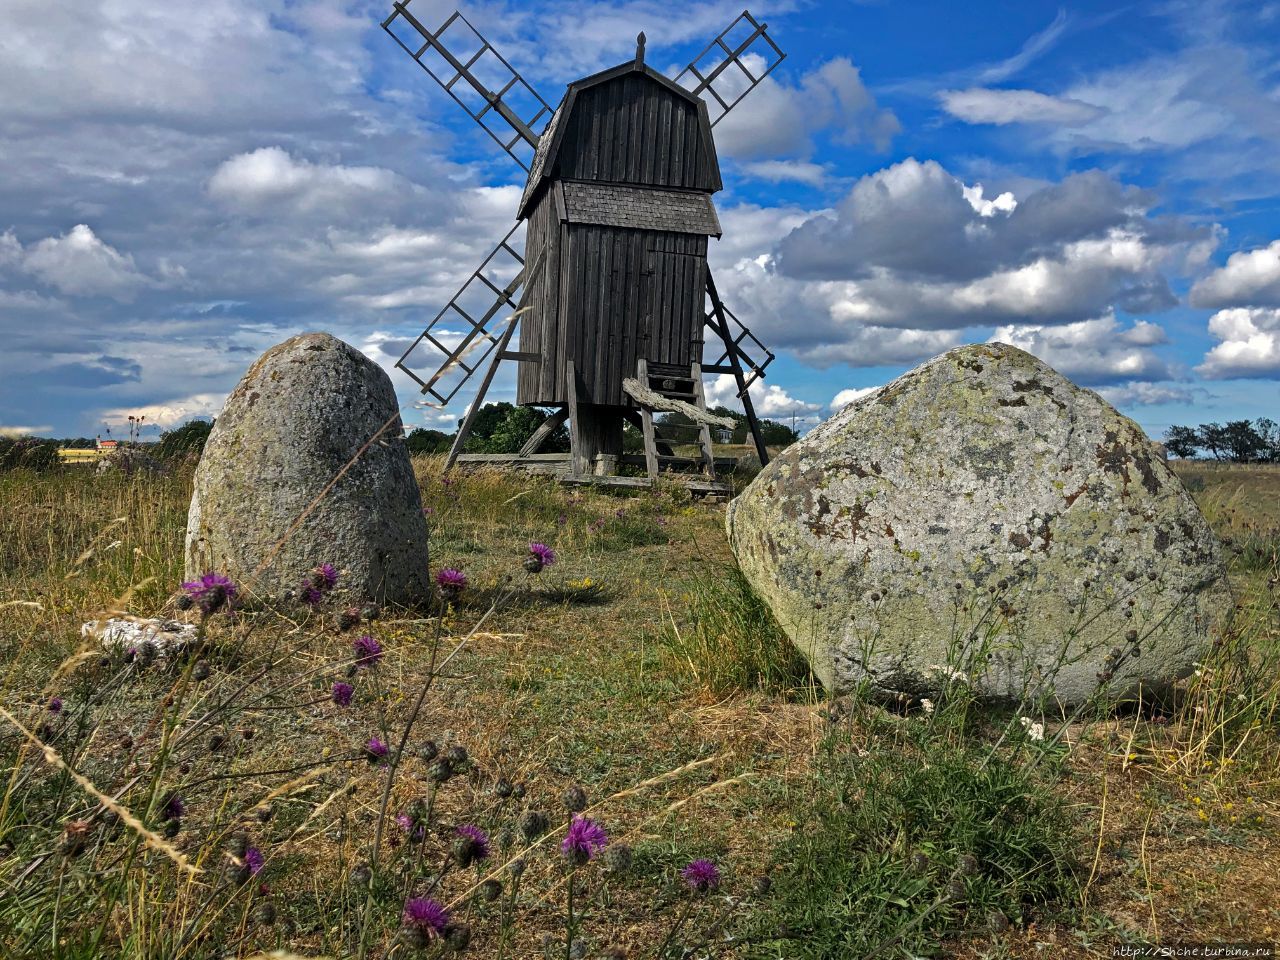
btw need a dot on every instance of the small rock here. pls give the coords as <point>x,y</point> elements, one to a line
<point>118,633</point>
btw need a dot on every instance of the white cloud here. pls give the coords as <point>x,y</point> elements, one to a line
<point>846,397</point>
<point>1004,203</point>
<point>769,399</point>
<point>169,414</point>
<point>271,175</point>
<point>1146,394</point>
<point>17,431</point>
<point>781,120</point>
<point>781,171</point>
<point>979,105</point>
<point>1093,351</point>
<point>1249,278</point>
<point>1249,347</point>
<point>80,264</point>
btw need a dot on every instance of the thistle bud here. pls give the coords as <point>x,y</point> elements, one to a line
<point>575,799</point>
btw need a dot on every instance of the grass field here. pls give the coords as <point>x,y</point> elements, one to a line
<point>638,667</point>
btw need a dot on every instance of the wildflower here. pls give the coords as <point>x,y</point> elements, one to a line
<point>926,705</point>
<point>174,807</point>
<point>368,651</point>
<point>310,596</point>
<point>211,592</point>
<point>533,825</point>
<point>471,845</point>
<point>451,582</point>
<point>950,673</point>
<point>415,831</point>
<point>1035,731</point>
<point>55,705</point>
<point>324,577</point>
<point>584,840</point>
<point>254,860</point>
<point>348,618</point>
<point>456,755</point>
<point>425,915</point>
<point>540,555</point>
<point>575,799</point>
<point>618,859</point>
<point>376,750</point>
<point>701,876</point>
<point>342,693</point>
<point>491,890</point>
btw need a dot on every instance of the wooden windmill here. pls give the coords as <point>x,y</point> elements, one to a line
<point>610,288</point>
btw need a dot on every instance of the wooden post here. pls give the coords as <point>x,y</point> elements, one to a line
<point>704,435</point>
<point>722,327</point>
<point>465,430</point>
<point>545,429</point>
<point>646,423</point>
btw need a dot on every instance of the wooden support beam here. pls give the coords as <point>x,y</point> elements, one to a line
<point>468,421</point>
<point>545,429</point>
<point>646,424</point>
<point>722,328</point>
<point>704,435</point>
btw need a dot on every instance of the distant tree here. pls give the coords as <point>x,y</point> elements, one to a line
<point>186,440</point>
<point>1242,441</point>
<point>421,440</point>
<point>1213,437</point>
<point>78,443</point>
<point>776,434</point>
<point>504,428</point>
<point>1269,431</point>
<point>1182,442</point>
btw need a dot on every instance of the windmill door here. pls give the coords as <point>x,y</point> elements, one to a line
<point>673,298</point>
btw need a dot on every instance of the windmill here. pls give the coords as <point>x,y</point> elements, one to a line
<point>609,285</point>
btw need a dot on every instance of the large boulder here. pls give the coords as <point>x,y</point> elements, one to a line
<point>983,518</point>
<point>291,428</point>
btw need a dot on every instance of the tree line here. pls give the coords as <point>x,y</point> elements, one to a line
<point>1237,441</point>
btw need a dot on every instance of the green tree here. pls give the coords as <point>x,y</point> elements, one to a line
<point>420,440</point>
<point>504,428</point>
<point>1213,437</point>
<point>1182,442</point>
<point>183,441</point>
<point>1242,441</point>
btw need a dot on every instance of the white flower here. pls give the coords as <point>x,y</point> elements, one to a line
<point>1035,731</point>
<point>926,705</point>
<point>951,674</point>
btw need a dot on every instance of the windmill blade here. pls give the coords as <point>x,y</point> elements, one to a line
<point>745,345</point>
<point>724,68</point>
<point>477,77</point>
<point>463,335</point>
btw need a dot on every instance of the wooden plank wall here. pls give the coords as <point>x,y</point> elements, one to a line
<point>633,130</point>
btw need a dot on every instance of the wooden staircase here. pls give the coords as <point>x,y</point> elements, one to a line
<point>683,384</point>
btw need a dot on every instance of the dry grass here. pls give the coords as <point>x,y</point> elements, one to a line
<point>571,682</point>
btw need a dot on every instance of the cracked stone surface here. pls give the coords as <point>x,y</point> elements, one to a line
<point>983,514</point>
<point>289,428</point>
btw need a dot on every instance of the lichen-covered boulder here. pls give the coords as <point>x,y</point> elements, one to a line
<point>291,428</point>
<point>982,518</point>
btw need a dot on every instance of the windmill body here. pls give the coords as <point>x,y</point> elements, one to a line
<point>611,293</point>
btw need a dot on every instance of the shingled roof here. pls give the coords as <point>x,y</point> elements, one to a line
<point>640,208</point>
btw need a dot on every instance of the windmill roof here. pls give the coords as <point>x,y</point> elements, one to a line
<point>550,140</point>
<point>640,208</point>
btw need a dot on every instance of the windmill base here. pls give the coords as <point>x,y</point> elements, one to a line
<point>602,474</point>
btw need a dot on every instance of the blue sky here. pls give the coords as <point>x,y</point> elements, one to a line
<point>186,184</point>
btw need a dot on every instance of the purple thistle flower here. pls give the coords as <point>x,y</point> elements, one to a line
<point>254,860</point>
<point>451,581</point>
<point>416,831</point>
<point>376,749</point>
<point>427,915</point>
<point>211,592</point>
<point>310,595</point>
<point>702,876</point>
<point>543,553</point>
<point>174,807</point>
<point>55,705</point>
<point>324,577</point>
<point>479,840</point>
<point>342,693</point>
<point>368,651</point>
<point>584,840</point>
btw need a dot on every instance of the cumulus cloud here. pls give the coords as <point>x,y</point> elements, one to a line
<point>769,399</point>
<point>171,413</point>
<point>1000,107</point>
<point>782,120</point>
<point>1250,344</point>
<point>270,175</point>
<point>1096,351</point>
<point>1249,278</point>
<point>1146,394</point>
<point>846,397</point>
<point>80,264</point>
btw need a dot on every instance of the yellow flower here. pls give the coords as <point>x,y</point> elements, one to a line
<point>1226,806</point>
<point>1196,800</point>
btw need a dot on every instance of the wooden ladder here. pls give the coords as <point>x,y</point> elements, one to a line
<point>675,383</point>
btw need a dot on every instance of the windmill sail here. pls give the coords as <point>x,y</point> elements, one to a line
<point>477,77</point>
<point>724,70</point>
<point>463,335</point>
